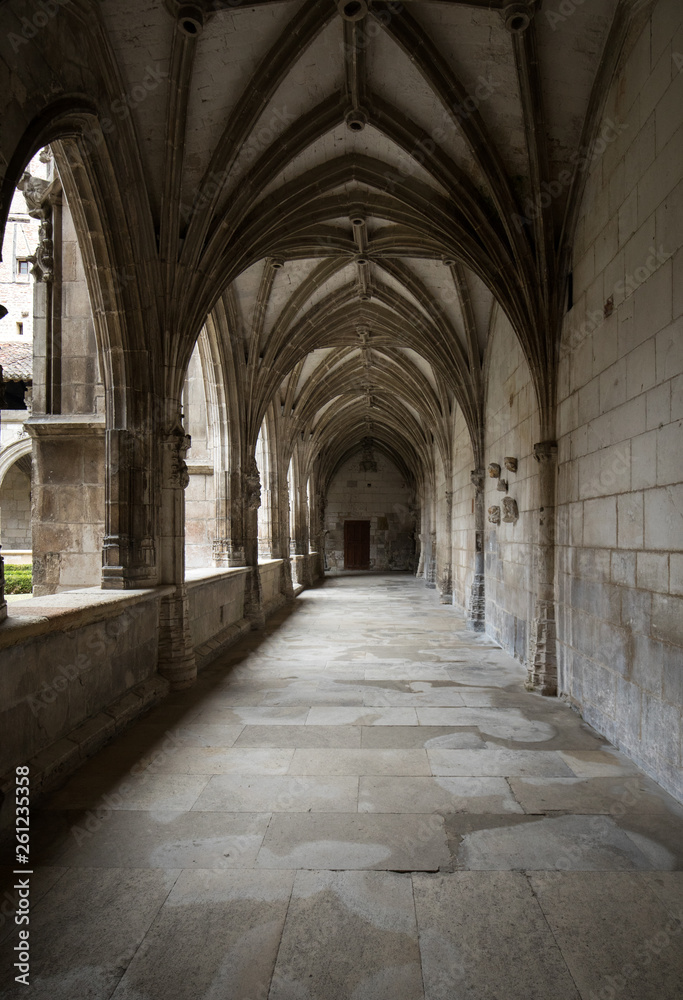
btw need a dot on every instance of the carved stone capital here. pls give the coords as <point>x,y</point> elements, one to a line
<point>179,444</point>
<point>251,480</point>
<point>545,451</point>
<point>478,478</point>
<point>43,259</point>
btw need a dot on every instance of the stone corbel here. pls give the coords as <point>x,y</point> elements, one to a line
<point>252,485</point>
<point>510,511</point>
<point>179,442</point>
<point>477,478</point>
<point>545,451</point>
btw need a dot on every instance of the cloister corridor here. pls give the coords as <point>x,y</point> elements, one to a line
<point>360,802</point>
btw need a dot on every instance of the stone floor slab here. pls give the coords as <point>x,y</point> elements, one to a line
<point>617,938</point>
<point>218,760</point>
<point>498,762</point>
<point>349,934</point>
<point>334,841</point>
<point>406,762</point>
<point>217,935</point>
<point>282,793</point>
<point>484,936</point>
<point>86,930</point>
<point>340,716</point>
<point>257,716</point>
<point>605,763</point>
<point>143,791</point>
<point>344,737</point>
<point>163,839</point>
<point>618,796</point>
<point>564,843</point>
<point>420,737</point>
<point>438,795</point>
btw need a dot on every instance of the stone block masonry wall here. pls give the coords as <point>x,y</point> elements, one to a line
<point>81,388</point>
<point>463,513</point>
<point>620,421</point>
<point>383,498</point>
<point>512,428</point>
<point>75,669</point>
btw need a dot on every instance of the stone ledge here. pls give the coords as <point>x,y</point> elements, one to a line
<point>69,610</point>
<point>210,574</point>
<point>52,765</point>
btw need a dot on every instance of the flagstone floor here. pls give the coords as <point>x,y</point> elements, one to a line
<point>360,803</point>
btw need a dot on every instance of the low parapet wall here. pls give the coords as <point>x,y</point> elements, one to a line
<point>77,667</point>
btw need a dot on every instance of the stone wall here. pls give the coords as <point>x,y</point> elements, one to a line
<point>383,498</point>
<point>75,669</point>
<point>68,502</point>
<point>463,513</point>
<point>15,510</point>
<point>620,533</point>
<point>511,428</point>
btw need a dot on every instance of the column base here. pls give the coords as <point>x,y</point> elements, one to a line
<point>542,651</point>
<point>225,554</point>
<point>286,585</point>
<point>176,653</point>
<point>476,614</point>
<point>253,600</point>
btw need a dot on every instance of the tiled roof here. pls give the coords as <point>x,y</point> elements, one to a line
<point>17,362</point>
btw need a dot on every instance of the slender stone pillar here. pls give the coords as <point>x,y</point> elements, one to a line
<point>251,498</point>
<point>476,612</point>
<point>447,570</point>
<point>176,653</point>
<point>430,562</point>
<point>280,532</point>
<point>129,550</point>
<point>228,545</point>
<point>301,535</point>
<point>321,533</point>
<point>542,644</point>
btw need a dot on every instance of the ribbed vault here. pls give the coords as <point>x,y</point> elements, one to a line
<point>340,193</point>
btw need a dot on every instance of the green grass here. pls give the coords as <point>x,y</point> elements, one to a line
<point>18,579</point>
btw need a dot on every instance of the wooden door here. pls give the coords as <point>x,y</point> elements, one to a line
<point>356,545</point>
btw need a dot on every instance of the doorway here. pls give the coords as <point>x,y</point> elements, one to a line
<point>356,545</point>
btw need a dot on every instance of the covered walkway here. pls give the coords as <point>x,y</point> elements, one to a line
<point>361,802</point>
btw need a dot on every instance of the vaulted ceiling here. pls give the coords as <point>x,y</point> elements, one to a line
<point>349,187</point>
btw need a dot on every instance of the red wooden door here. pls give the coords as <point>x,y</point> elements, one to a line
<point>356,545</point>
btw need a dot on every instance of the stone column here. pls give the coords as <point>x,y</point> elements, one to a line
<point>301,534</point>
<point>430,562</point>
<point>542,645</point>
<point>67,501</point>
<point>279,527</point>
<point>251,497</point>
<point>129,552</point>
<point>476,612</point>
<point>447,570</point>
<point>176,652</point>
<point>228,545</point>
